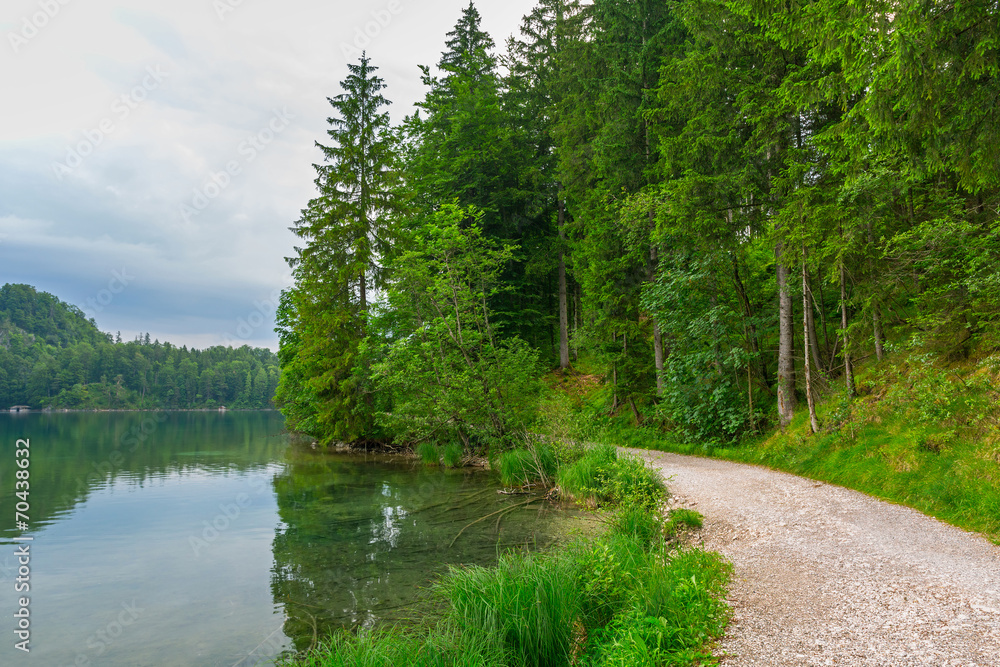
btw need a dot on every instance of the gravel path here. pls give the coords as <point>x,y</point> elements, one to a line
<point>828,576</point>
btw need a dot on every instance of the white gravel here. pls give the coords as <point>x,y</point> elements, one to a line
<point>828,576</point>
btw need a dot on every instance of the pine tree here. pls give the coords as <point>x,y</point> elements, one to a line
<point>348,232</point>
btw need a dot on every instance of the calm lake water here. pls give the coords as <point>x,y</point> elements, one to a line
<point>196,538</point>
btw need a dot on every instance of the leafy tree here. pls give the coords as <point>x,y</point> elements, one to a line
<point>450,375</point>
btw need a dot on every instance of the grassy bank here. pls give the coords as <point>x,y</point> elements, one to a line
<point>631,596</point>
<point>920,432</point>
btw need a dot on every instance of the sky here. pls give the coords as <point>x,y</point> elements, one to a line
<point>154,154</point>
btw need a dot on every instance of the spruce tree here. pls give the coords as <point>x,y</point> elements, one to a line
<point>348,232</point>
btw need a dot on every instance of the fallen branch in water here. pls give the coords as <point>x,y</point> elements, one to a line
<point>483,518</point>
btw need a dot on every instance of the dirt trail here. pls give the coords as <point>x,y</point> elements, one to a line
<point>828,576</point>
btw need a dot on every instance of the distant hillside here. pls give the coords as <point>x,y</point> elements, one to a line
<point>27,311</point>
<point>51,355</point>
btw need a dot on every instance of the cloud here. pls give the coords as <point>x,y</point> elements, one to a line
<point>151,106</point>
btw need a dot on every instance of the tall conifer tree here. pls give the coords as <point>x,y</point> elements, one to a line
<point>348,232</point>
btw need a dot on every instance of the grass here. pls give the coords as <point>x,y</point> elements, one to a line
<point>428,453</point>
<point>600,475</point>
<point>535,463</point>
<point>452,455</point>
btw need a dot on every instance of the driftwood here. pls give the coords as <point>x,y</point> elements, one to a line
<point>483,518</point>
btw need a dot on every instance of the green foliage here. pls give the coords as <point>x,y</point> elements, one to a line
<point>638,523</point>
<point>391,648</point>
<point>601,475</point>
<point>442,361</point>
<point>583,479</point>
<point>678,609</point>
<point>703,396</point>
<point>526,606</point>
<point>348,233</point>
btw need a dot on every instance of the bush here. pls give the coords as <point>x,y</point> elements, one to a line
<point>601,475</point>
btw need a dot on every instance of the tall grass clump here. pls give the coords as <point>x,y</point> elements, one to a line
<point>583,479</point>
<point>452,455</point>
<point>428,453</point>
<point>525,607</point>
<point>601,475</point>
<point>524,465</point>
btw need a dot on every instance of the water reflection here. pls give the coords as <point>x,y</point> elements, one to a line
<point>84,453</point>
<point>364,536</point>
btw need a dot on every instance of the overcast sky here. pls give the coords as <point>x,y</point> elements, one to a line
<point>153,154</point>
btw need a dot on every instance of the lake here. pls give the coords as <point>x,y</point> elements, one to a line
<point>205,538</point>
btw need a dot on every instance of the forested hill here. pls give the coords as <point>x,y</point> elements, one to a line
<point>51,355</point>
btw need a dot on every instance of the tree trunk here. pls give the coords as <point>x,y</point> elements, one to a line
<point>848,368</point>
<point>614,380</point>
<point>364,294</point>
<point>657,334</point>
<point>877,326</point>
<point>813,336</point>
<point>577,306</point>
<point>876,315</point>
<point>786,362</point>
<point>563,305</point>
<point>658,357</point>
<point>807,336</point>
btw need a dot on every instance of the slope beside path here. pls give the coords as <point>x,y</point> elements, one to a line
<point>828,576</point>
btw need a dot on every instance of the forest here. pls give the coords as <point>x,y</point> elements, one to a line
<point>52,356</point>
<point>722,206</point>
